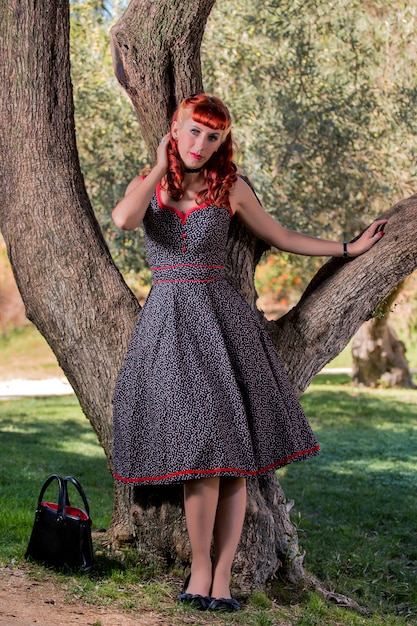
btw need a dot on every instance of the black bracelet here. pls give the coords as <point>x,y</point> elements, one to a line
<point>345,253</point>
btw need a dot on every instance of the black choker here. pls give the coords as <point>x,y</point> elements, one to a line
<point>189,170</point>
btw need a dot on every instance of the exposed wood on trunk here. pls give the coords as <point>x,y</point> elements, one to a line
<point>378,354</point>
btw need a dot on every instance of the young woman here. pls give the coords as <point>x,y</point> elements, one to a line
<point>202,397</point>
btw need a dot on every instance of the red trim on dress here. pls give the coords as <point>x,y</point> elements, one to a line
<point>220,469</point>
<point>181,215</point>
<point>201,266</point>
<point>185,280</point>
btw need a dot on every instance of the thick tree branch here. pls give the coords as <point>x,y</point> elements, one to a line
<point>156,57</point>
<point>343,295</point>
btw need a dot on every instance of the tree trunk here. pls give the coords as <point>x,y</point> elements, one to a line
<point>70,286</point>
<point>156,57</point>
<point>378,354</point>
<point>77,298</point>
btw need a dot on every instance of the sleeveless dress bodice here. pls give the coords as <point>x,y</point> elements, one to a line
<point>202,391</point>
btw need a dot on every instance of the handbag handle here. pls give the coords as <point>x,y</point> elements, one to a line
<point>74,481</point>
<point>61,497</point>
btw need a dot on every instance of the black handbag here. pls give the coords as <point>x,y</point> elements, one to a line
<point>61,534</point>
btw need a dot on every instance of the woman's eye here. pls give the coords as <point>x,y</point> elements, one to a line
<point>213,138</point>
<point>194,131</point>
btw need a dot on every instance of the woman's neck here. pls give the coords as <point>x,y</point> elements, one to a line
<point>190,170</point>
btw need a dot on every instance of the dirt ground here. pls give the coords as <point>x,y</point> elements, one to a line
<point>28,602</point>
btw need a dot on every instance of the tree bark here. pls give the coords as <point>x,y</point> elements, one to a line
<point>77,298</point>
<point>343,295</point>
<point>70,286</point>
<point>378,354</point>
<point>156,57</point>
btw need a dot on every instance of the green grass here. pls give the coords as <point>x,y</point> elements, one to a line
<point>355,508</point>
<point>41,437</point>
<point>356,503</point>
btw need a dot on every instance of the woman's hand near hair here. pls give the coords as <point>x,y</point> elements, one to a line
<point>162,153</point>
<point>130,211</point>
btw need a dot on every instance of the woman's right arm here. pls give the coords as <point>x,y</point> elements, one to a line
<point>130,211</point>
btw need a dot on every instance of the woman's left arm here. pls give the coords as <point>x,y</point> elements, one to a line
<point>245,204</point>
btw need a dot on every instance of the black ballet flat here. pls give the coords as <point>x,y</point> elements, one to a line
<point>223,604</point>
<point>194,600</point>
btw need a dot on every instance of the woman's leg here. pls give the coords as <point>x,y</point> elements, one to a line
<point>230,516</point>
<point>200,502</point>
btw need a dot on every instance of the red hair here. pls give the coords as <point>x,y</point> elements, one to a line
<point>220,171</point>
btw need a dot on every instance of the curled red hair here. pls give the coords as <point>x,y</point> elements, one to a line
<point>220,171</point>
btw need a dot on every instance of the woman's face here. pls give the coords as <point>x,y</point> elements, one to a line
<point>196,142</point>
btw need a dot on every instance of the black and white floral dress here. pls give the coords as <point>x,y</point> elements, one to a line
<point>202,391</point>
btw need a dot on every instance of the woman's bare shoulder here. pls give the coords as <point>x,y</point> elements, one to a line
<point>240,193</point>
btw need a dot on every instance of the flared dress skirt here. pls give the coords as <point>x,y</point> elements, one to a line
<point>202,391</point>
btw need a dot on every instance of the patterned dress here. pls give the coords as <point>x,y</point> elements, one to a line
<point>202,391</point>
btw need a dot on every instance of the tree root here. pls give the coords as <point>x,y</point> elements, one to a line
<point>336,598</point>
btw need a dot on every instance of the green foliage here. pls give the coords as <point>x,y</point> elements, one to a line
<point>314,89</point>
<point>278,277</point>
<point>323,96</point>
<point>110,146</point>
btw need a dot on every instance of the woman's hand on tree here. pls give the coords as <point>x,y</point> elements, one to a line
<point>369,238</point>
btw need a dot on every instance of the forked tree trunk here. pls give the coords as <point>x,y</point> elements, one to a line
<point>78,300</point>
